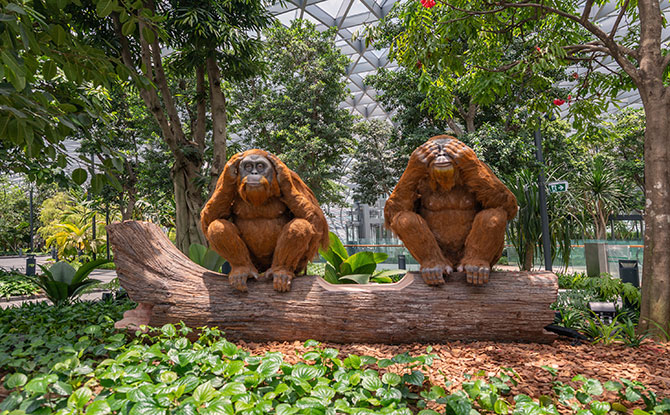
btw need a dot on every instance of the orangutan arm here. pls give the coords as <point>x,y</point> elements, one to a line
<point>220,204</point>
<point>405,194</point>
<point>480,180</point>
<point>301,201</point>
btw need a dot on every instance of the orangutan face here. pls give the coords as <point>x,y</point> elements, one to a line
<point>442,169</point>
<point>256,179</point>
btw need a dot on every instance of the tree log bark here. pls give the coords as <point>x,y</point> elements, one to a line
<point>170,288</point>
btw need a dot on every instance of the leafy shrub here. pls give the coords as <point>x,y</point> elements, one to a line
<point>68,360</point>
<point>15,283</point>
<point>205,257</point>
<point>35,337</point>
<point>62,283</point>
<point>358,268</point>
<point>602,288</point>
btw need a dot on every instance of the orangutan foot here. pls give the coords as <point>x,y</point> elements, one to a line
<point>281,279</point>
<point>476,273</point>
<point>238,277</point>
<point>434,275</point>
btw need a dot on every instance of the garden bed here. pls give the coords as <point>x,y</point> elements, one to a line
<point>649,364</point>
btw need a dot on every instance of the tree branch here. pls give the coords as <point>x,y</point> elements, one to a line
<point>618,19</point>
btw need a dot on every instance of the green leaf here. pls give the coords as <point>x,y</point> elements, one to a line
<point>361,263</point>
<point>632,395</point>
<point>168,376</point>
<point>105,7</point>
<point>85,269</point>
<point>15,380</point>
<point>268,368</point>
<point>204,393</point>
<point>80,398</point>
<point>305,372</point>
<point>330,275</point>
<point>613,386</point>
<point>38,386</point>
<point>128,27</point>
<point>357,278</point>
<point>371,382</point>
<point>392,379</point>
<point>169,330</point>
<point>98,182</point>
<point>62,272</point>
<point>285,409</point>
<point>148,34</point>
<point>232,388</point>
<point>380,257</point>
<point>98,408</point>
<point>593,387</point>
<point>457,405</point>
<point>49,71</point>
<point>414,378</point>
<point>501,407</point>
<point>600,408</point>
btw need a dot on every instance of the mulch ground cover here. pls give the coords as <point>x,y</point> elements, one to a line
<point>649,363</point>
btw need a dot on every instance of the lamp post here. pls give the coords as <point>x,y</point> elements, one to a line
<point>546,240</point>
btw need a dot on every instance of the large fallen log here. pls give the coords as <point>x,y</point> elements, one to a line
<point>513,306</point>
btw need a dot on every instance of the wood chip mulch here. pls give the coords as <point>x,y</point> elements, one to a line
<point>649,364</point>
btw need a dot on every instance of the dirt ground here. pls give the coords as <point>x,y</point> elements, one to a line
<point>649,364</point>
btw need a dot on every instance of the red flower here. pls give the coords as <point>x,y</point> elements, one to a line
<point>537,48</point>
<point>559,101</point>
<point>419,64</point>
<point>428,3</point>
<point>569,97</point>
<point>575,75</point>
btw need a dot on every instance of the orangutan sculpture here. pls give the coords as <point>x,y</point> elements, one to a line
<point>263,218</point>
<point>450,211</point>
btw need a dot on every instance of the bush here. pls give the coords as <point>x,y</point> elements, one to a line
<point>15,283</point>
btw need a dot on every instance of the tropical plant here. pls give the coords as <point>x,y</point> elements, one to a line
<point>358,268</point>
<point>62,283</point>
<point>601,194</point>
<point>205,257</point>
<point>629,333</point>
<point>525,230</point>
<point>72,240</point>
<point>602,332</point>
<point>15,283</point>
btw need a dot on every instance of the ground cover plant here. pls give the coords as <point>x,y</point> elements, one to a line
<point>69,360</point>
<point>14,283</point>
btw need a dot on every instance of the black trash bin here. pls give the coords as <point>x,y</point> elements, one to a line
<point>629,272</point>
<point>402,262</point>
<point>30,265</point>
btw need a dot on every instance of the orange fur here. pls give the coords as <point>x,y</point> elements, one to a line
<point>447,219</point>
<point>276,227</point>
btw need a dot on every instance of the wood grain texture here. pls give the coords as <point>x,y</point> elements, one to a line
<point>514,306</point>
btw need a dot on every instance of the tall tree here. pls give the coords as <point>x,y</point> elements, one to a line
<point>294,109</point>
<point>557,33</point>
<point>50,83</point>
<point>201,38</point>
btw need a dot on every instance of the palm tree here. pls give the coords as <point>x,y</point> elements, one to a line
<point>600,193</point>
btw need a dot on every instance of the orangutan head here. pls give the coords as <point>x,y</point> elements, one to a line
<point>257,180</point>
<point>442,171</point>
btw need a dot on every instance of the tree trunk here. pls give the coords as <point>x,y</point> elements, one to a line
<point>219,121</point>
<point>188,204</point>
<point>656,269</point>
<point>170,288</point>
<point>528,257</point>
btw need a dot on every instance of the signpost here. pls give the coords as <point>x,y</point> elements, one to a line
<point>557,187</point>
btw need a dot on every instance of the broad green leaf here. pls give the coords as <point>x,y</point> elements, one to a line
<point>361,263</point>
<point>204,393</point>
<point>85,269</point>
<point>390,272</point>
<point>380,257</point>
<point>613,386</point>
<point>305,372</point>
<point>168,376</point>
<point>62,272</point>
<point>501,407</point>
<point>371,382</point>
<point>232,388</point>
<point>196,252</point>
<point>593,387</point>
<point>169,330</point>
<point>357,278</point>
<point>38,385</point>
<point>98,408</point>
<point>80,398</point>
<point>268,368</point>
<point>105,7</point>
<point>392,379</point>
<point>330,275</point>
<point>285,409</point>
<point>15,380</point>
<point>414,378</point>
<point>600,408</point>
